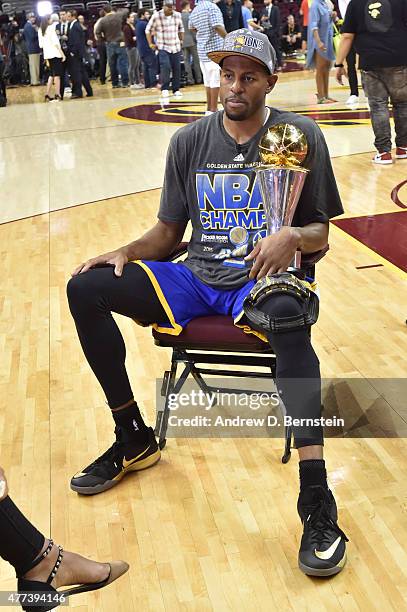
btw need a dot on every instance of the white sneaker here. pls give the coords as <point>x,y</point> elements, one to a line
<point>382,158</point>
<point>138,86</point>
<point>352,100</point>
<point>165,93</point>
<point>177,94</point>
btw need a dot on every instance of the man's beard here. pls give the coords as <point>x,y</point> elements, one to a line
<point>238,115</point>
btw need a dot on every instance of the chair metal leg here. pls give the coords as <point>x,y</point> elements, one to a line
<point>287,449</point>
<point>161,423</point>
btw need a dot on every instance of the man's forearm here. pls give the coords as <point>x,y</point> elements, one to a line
<point>312,237</point>
<point>344,47</point>
<point>157,243</point>
<point>221,31</point>
<point>149,38</point>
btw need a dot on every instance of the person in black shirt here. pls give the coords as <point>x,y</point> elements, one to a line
<point>379,32</point>
<point>232,14</point>
<point>291,36</point>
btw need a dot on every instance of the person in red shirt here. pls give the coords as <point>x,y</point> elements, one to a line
<point>304,9</point>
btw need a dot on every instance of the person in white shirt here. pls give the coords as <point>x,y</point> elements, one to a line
<point>53,55</point>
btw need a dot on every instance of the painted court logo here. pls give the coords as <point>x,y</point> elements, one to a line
<point>181,113</point>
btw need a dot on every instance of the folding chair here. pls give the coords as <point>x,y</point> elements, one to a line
<point>205,340</point>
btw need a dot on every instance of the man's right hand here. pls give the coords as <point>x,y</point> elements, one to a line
<point>117,258</point>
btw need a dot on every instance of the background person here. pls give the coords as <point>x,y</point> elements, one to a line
<point>379,33</point>
<point>189,48</point>
<point>271,22</point>
<point>62,29</point>
<point>36,558</point>
<point>290,36</point>
<point>249,21</point>
<point>350,63</point>
<point>110,29</point>
<point>168,31</point>
<point>148,56</point>
<point>101,49</point>
<point>30,34</point>
<point>53,55</point>
<point>304,10</point>
<point>207,20</point>
<point>320,53</point>
<point>232,14</point>
<point>76,57</point>
<point>133,56</point>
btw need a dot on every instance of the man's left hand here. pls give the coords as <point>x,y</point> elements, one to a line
<point>274,253</point>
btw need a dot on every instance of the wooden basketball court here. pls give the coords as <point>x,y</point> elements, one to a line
<point>213,526</point>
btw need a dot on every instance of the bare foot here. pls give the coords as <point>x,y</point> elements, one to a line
<point>74,569</point>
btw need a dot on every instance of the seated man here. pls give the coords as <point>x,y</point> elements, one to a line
<point>210,181</point>
<point>291,36</point>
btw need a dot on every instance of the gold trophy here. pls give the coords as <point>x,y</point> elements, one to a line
<point>282,149</point>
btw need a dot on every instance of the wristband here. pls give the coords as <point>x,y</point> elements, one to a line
<point>338,65</point>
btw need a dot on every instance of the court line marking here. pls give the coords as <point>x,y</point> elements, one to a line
<point>49,212</point>
<point>371,252</point>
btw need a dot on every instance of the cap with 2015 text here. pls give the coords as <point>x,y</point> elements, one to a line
<point>247,43</point>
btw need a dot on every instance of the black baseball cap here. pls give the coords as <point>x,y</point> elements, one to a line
<point>251,44</point>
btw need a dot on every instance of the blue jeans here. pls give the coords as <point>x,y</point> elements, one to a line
<point>150,69</point>
<point>118,63</point>
<point>170,62</point>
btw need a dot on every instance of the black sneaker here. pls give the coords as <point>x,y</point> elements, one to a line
<point>323,550</point>
<point>124,456</point>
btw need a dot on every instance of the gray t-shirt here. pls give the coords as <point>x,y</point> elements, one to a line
<point>189,36</point>
<point>210,180</point>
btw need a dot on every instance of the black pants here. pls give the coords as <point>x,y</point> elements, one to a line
<point>20,541</point>
<point>101,47</point>
<point>276,43</point>
<point>352,74</point>
<point>93,297</point>
<point>79,76</point>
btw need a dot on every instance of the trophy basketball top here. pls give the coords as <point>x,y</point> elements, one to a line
<point>284,146</point>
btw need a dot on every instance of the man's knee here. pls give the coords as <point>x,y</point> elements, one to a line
<point>281,306</point>
<point>83,292</point>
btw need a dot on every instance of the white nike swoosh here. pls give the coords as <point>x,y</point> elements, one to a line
<point>327,554</point>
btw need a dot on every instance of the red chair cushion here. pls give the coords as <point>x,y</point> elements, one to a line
<point>216,333</point>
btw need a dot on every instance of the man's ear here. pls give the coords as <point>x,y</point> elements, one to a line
<point>271,81</point>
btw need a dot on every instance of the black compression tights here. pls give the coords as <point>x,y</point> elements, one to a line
<point>93,297</point>
<point>20,541</point>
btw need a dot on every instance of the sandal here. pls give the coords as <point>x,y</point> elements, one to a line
<point>42,592</point>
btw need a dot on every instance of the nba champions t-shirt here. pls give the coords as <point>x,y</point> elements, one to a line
<point>211,181</point>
